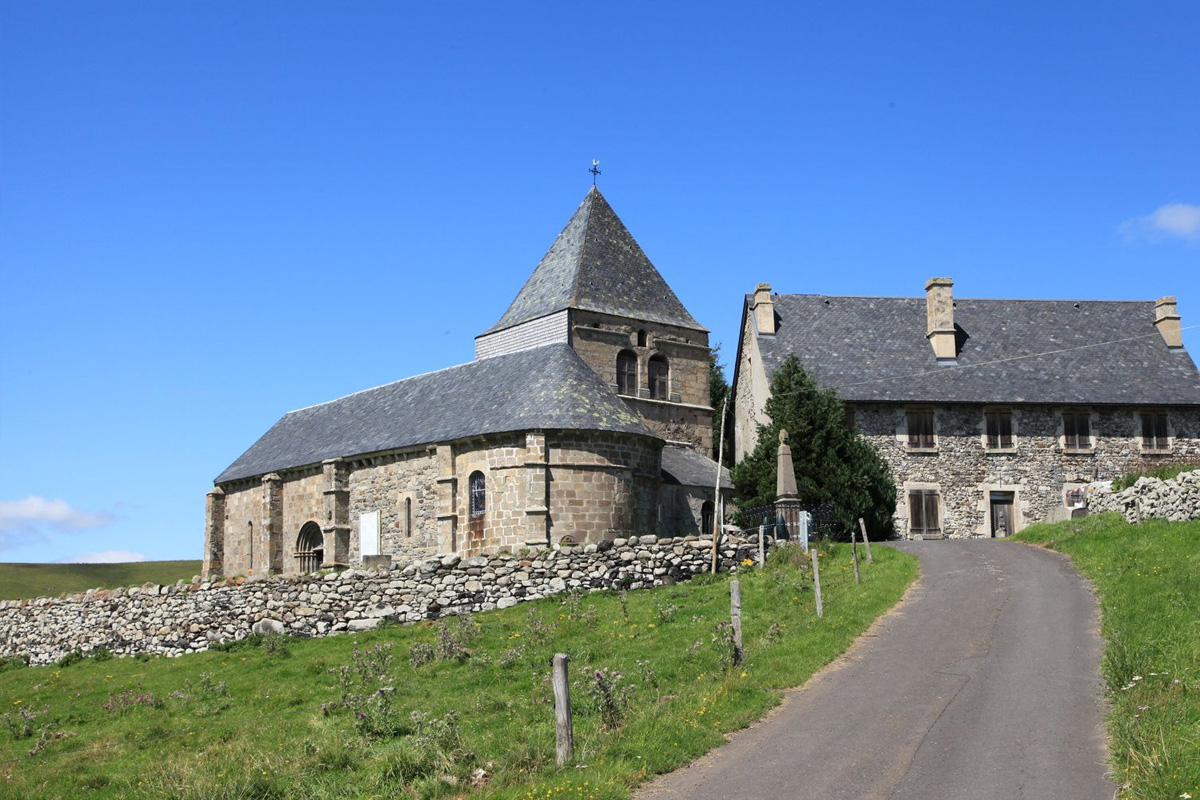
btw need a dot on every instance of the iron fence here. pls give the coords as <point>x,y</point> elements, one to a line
<point>782,520</point>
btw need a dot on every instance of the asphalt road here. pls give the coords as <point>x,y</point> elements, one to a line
<point>984,683</point>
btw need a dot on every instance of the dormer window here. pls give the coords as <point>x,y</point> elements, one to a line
<point>658,373</point>
<point>627,373</point>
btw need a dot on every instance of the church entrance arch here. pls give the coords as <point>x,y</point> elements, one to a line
<point>310,548</point>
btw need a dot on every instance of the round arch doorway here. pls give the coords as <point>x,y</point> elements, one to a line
<point>310,548</point>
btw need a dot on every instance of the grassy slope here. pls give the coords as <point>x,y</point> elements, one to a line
<point>18,581</point>
<point>1148,579</point>
<point>269,737</point>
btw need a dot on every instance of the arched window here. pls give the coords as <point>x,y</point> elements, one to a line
<point>658,373</point>
<point>641,338</point>
<point>627,373</point>
<point>478,494</point>
<point>310,547</point>
<point>706,518</point>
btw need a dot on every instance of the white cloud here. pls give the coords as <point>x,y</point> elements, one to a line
<point>104,557</point>
<point>1178,220</point>
<point>25,520</point>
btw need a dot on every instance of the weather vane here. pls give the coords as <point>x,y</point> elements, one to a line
<point>595,170</point>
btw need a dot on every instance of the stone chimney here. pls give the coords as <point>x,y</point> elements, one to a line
<point>764,309</point>
<point>1166,319</point>
<point>939,318</point>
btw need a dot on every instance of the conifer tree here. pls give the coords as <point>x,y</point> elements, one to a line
<point>834,465</point>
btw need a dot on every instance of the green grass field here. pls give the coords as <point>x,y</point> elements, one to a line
<point>414,711</point>
<point>18,581</point>
<point>1148,579</point>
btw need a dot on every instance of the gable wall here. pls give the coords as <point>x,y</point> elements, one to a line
<point>751,391</point>
<point>535,333</point>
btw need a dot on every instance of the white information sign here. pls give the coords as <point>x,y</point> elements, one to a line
<point>368,533</point>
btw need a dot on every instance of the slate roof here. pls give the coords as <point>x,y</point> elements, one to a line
<point>595,264</point>
<point>1060,352</point>
<point>684,466</point>
<point>546,388</point>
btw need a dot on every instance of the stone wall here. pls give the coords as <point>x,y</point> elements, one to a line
<point>681,509</point>
<point>604,486</point>
<point>685,416</point>
<point>540,487</point>
<point>189,618</point>
<point>403,489</point>
<point>1037,471</point>
<point>1176,499</point>
<point>751,390</point>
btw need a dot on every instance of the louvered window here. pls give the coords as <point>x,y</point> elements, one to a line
<point>1077,430</point>
<point>920,428</point>
<point>923,512</point>
<point>1154,431</point>
<point>658,372</point>
<point>627,373</point>
<point>999,429</point>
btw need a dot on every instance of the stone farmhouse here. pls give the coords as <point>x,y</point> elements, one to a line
<point>584,417</point>
<point>992,414</point>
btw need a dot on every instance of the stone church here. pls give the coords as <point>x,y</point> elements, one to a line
<point>991,414</point>
<point>584,417</point>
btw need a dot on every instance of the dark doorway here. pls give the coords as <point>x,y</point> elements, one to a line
<point>706,518</point>
<point>1003,521</point>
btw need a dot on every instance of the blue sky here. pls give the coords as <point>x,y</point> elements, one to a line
<point>213,213</point>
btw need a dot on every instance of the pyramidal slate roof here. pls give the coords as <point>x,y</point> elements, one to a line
<point>684,466</point>
<point>545,388</point>
<point>595,264</point>
<point>1060,352</point>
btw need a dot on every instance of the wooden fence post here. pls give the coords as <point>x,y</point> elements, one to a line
<point>817,582</point>
<point>866,542</point>
<point>717,518</point>
<point>854,554</point>
<point>735,615</point>
<point>564,739</point>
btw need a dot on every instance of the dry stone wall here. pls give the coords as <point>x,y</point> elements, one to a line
<point>189,618</point>
<point>1175,499</point>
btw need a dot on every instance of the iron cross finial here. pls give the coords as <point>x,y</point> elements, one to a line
<point>595,170</point>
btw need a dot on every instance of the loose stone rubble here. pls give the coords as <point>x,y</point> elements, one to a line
<point>189,618</point>
<point>1176,499</point>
